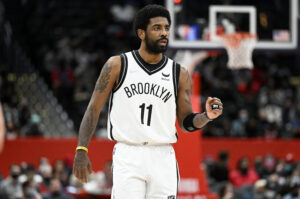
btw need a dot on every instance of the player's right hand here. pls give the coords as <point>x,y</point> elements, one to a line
<point>82,166</point>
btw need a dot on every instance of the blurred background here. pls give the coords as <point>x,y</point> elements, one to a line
<point>52,52</point>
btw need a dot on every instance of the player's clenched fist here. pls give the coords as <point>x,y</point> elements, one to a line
<point>82,166</point>
<point>214,107</point>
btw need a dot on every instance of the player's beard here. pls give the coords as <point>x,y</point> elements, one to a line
<point>153,47</point>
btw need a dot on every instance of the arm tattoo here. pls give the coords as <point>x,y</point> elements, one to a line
<point>200,120</point>
<point>188,91</point>
<point>87,127</point>
<point>188,96</point>
<point>104,78</point>
<point>188,79</point>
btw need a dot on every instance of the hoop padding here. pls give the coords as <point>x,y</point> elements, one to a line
<point>239,47</point>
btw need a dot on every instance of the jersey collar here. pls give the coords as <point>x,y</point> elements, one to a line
<point>149,68</point>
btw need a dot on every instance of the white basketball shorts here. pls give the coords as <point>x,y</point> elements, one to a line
<point>141,172</point>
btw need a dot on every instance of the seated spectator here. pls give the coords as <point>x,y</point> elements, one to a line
<point>32,129</point>
<point>60,172</point>
<point>243,175</point>
<point>24,112</point>
<point>226,191</point>
<point>63,84</point>
<point>30,191</point>
<point>75,186</point>
<point>43,163</point>
<point>268,166</point>
<point>258,165</point>
<point>46,173</point>
<point>30,175</point>
<point>260,189</point>
<point>11,188</point>
<point>56,191</point>
<point>100,182</point>
<point>219,170</point>
<point>293,186</point>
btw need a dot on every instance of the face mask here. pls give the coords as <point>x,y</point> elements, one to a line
<point>47,180</point>
<point>30,193</point>
<point>15,176</point>
<point>244,171</point>
<point>56,193</point>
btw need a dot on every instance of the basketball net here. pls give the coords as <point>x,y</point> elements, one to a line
<point>239,47</point>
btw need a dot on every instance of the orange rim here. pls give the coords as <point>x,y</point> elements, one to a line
<point>234,40</point>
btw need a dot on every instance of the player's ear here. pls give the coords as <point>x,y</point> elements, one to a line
<point>141,34</point>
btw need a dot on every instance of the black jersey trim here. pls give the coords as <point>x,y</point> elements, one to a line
<point>123,71</point>
<point>177,171</point>
<point>174,79</point>
<point>149,68</point>
<point>176,74</point>
<point>109,110</point>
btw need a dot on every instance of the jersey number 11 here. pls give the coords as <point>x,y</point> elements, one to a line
<point>142,107</point>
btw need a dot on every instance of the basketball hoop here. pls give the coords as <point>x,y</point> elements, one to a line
<point>239,47</point>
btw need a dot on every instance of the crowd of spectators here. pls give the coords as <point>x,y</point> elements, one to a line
<point>83,36</point>
<point>18,118</point>
<point>267,177</point>
<point>263,102</point>
<point>26,181</point>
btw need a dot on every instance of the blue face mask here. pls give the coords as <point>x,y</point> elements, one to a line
<point>30,192</point>
<point>288,168</point>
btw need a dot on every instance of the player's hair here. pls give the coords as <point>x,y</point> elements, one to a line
<point>144,15</point>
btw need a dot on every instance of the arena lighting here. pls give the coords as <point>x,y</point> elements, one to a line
<point>177,1</point>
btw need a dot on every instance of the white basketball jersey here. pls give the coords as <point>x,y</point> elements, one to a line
<point>142,107</point>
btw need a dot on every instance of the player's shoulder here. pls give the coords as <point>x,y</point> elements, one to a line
<point>114,61</point>
<point>183,72</point>
<point>114,64</point>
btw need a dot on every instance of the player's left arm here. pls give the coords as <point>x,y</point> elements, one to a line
<point>187,119</point>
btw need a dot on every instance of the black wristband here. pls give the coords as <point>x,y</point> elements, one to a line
<point>188,123</point>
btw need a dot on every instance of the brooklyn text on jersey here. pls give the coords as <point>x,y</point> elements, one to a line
<point>148,89</point>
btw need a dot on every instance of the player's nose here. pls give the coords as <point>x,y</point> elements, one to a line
<point>164,32</point>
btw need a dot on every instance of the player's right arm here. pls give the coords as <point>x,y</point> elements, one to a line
<point>106,82</point>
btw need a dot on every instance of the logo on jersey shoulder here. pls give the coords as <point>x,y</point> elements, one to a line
<point>171,197</point>
<point>133,71</point>
<point>165,76</point>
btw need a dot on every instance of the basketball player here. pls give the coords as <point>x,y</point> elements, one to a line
<point>147,90</point>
